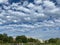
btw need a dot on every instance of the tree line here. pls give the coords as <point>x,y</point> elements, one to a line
<point>19,39</point>
<point>53,41</point>
<point>4,38</point>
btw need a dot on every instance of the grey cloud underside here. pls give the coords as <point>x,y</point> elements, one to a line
<point>29,18</point>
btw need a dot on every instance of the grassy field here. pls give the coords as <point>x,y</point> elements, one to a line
<point>26,44</point>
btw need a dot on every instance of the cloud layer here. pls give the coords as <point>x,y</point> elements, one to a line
<point>40,19</point>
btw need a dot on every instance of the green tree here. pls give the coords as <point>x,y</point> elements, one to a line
<point>5,38</point>
<point>32,40</point>
<point>1,38</point>
<point>22,39</point>
<point>58,42</point>
<point>10,39</point>
<point>52,40</point>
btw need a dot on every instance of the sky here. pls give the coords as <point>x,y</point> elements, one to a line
<point>33,18</point>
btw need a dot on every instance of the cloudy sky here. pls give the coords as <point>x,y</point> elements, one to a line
<point>33,18</point>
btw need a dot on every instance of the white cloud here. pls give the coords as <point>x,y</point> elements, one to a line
<point>15,21</point>
<point>25,3</point>
<point>49,5</point>
<point>31,5</point>
<point>38,1</point>
<point>57,20</point>
<point>31,18</point>
<point>1,23</point>
<point>3,1</point>
<point>6,7</point>
<point>31,14</point>
<point>27,18</point>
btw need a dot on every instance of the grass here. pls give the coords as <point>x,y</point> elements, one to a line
<point>26,44</point>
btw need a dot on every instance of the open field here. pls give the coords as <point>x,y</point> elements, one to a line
<point>26,44</point>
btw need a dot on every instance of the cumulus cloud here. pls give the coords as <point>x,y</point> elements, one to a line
<point>37,1</point>
<point>31,18</point>
<point>49,4</point>
<point>3,1</point>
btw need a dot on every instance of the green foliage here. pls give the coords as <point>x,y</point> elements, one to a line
<point>58,42</point>
<point>52,40</point>
<point>6,40</point>
<point>19,39</point>
<point>1,38</point>
<point>32,40</point>
<point>22,39</point>
<point>10,39</point>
